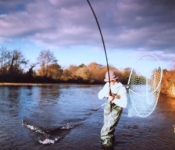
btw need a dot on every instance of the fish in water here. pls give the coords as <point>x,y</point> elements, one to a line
<point>50,136</point>
<point>48,141</point>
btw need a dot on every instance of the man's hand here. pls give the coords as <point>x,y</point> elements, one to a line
<point>111,98</point>
<point>117,96</point>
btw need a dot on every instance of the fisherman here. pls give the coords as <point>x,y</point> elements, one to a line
<point>116,95</point>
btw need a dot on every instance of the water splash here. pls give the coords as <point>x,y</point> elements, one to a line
<point>48,141</point>
<point>34,128</point>
<point>49,135</point>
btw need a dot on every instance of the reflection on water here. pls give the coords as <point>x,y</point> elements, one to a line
<point>50,107</point>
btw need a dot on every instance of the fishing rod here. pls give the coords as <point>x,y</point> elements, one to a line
<point>104,47</point>
<point>102,42</point>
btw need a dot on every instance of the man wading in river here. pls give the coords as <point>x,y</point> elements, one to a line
<point>113,108</point>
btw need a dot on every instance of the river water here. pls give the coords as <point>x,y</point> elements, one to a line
<point>54,106</point>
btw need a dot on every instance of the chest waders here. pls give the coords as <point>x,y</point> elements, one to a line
<point>112,115</point>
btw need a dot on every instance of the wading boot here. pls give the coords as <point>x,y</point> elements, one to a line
<point>106,148</point>
<point>107,144</point>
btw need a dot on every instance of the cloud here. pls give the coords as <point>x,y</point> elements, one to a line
<point>126,24</point>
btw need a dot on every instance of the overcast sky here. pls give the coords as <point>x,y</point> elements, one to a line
<point>131,28</point>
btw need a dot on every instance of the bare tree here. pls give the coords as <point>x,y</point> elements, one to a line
<point>11,61</point>
<point>16,61</point>
<point>4,60</point>
<point>48,64</point>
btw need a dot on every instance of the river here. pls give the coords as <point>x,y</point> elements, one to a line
<point>49,107</point>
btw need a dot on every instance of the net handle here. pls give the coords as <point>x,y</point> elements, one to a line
<point>161,74</point>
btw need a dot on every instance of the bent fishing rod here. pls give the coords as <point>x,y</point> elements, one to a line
<point>104,47</point>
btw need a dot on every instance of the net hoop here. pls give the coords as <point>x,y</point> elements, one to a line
<point>161,74</point>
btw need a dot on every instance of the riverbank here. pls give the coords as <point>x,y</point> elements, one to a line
<point>25,84</point>
<point>41,84</point>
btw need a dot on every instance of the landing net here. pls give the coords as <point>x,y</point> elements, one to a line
<point>144,86</point>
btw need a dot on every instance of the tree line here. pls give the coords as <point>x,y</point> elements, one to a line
<point>46,69</point>
<point>13,66</point>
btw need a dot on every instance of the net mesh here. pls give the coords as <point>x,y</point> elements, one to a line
<point>144,86</point>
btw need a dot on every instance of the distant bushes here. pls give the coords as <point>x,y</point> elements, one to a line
<point>168,83</point>
<point>92,73</point>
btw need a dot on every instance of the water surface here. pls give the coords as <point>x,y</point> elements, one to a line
<point>53,106</point>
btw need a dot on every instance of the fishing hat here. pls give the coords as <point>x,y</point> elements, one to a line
<point>111,76</point>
